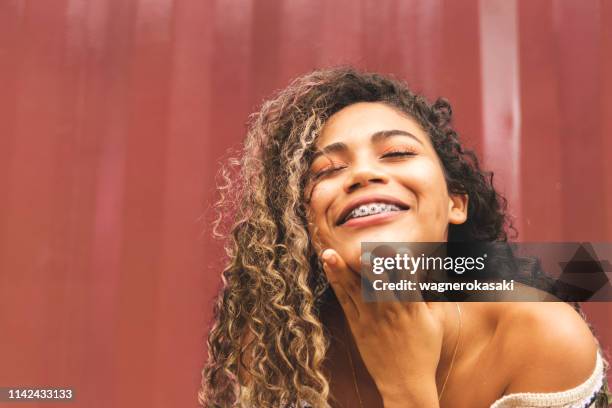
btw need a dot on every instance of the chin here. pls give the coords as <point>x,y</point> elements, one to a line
<point>391,233</point>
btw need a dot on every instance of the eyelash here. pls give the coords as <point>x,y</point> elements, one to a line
<point>397,153</point>
<point>326,172</point>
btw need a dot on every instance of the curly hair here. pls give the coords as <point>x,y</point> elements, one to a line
<point>273,281</point>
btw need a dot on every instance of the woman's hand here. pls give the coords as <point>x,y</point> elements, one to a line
<point>399,343</point>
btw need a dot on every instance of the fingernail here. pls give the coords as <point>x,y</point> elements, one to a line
<point>329,257</point>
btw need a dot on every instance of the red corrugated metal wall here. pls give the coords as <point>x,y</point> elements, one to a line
<point>114,115</point>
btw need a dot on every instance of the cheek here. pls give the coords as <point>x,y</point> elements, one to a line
<point>430,177</point>
<point>430,187</point>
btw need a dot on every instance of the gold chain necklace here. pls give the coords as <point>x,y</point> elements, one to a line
<point>450,369</point>
<point>348,353</point>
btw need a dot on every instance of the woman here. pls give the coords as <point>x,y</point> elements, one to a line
<point>291,327</point>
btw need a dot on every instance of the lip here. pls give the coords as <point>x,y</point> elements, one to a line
<point>375,198</point>
<point>372,219</point>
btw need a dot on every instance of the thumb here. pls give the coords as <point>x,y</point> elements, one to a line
<point>344,281</point>
<point>339,270</point>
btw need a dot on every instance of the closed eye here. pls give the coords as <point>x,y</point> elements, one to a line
<point>327,172</point>
<point>399,154</point>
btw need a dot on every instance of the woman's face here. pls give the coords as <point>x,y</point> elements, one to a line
<point>377,179</point>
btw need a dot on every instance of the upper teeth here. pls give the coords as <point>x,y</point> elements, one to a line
<point>371,209</point>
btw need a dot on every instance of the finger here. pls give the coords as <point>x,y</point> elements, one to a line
<point>344,282</point>
<point>395,298</point>
<point>392,283</point>
<point>339,270</point>
<point>346,301</point>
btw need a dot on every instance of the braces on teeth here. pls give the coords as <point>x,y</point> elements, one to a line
<point>370,209</point>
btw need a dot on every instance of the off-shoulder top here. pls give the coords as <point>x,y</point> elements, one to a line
<point>593,393</point>
<point>590,394</point>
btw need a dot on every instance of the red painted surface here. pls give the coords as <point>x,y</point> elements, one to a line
<point>114,115</point>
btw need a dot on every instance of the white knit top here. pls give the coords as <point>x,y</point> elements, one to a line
<point>580,396</point>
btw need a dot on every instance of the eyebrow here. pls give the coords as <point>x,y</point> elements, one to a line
<point>376,137</point>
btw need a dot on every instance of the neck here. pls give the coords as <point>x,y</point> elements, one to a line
<point>448,315</point>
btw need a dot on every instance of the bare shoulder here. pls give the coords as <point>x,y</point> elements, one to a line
<point>549,345</point>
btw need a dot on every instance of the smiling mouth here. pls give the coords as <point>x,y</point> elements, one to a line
<point>377,211</point>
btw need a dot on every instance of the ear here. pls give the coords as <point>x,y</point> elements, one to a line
<point>457,208</point>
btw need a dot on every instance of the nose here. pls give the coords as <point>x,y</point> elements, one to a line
<point>362,175</point>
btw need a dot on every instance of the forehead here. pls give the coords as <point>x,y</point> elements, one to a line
<point>360,120</point>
